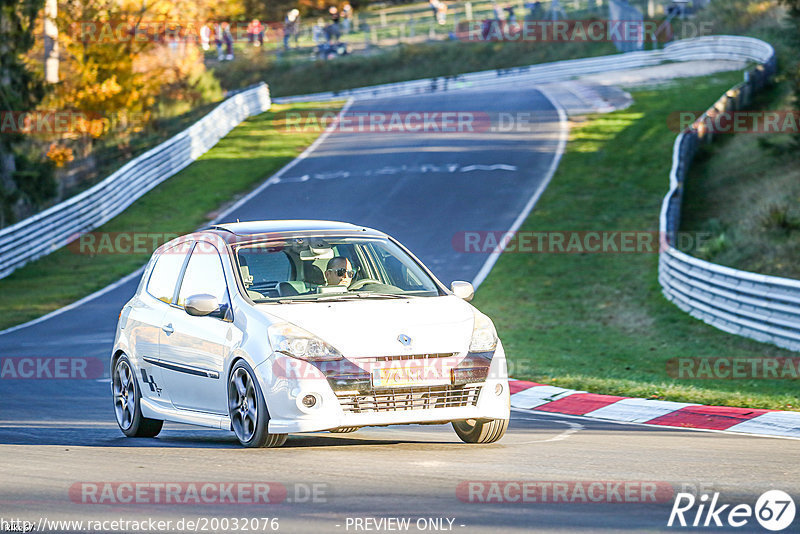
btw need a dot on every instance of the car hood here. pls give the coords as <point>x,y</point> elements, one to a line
<point>371,327</point>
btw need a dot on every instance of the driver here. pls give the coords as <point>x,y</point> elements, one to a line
<point>339,272</point>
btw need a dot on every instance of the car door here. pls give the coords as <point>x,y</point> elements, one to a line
<point>193,349</point>
<point>145,317</point>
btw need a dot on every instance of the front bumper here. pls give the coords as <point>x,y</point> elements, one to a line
<point>358,407</point>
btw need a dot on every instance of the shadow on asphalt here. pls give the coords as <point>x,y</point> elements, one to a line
<point>525,428</point>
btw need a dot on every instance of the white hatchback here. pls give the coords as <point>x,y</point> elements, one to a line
<point>275,327</point>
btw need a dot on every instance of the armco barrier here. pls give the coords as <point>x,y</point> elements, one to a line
<point>764,308</point>
<point>55,227</point>
<point>719,47</point>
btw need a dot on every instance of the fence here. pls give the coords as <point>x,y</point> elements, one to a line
<point>55,227</point>
<point>764,308</point>
<point>413,24</point>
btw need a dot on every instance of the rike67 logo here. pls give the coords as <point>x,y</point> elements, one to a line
<point>774,510</point>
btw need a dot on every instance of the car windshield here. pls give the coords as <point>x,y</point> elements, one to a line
<point>327,268</point>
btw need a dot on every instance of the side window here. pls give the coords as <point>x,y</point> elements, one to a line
<point>204,274</point>
<point>165,273</point>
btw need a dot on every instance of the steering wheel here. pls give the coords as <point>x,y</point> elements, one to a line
<point>361,283</point>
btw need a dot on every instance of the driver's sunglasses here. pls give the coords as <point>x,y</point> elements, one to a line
<point>341,272</point>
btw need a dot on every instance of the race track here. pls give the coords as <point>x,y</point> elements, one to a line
<point>424,190</point>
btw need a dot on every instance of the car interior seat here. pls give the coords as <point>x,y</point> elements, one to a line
<point>313,275</point>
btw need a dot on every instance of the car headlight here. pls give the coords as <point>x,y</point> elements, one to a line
<point>299,343</point>
<point>484,336</point>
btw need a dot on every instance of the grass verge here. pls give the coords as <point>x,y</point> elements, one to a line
<point>743,190</point>
<point>243,159</point>
<point>598,322</point>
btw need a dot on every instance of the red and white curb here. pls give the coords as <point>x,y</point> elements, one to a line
<point>539,397</point>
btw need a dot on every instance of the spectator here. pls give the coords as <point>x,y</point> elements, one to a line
<point>255,33</point>
<point>535,12</point>
<point>496,10</point>
<point>205,37</point>
<point>333,31</point>
<point>347,15</point>
<point>510,17</point>
<point>441,14</point>
<point>317,31</point>
<point>291,27</point>
<point>227,38</point>
<point>434,4</point>
<point>218,41</point>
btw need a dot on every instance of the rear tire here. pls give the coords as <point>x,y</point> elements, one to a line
<point>127,405</point>
<point>480,431</point>
<point>248,410</point>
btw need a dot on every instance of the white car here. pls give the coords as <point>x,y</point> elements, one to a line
<point>274,327</point>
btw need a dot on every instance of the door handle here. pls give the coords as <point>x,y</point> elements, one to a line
<point>168,329</point>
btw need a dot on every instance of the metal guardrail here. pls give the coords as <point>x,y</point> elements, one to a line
<point>58,225</point>
<point>764,308</point>
<point>534,74</point>
<point>712,48</point>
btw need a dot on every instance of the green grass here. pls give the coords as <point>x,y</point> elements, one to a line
<point>404,62</point>
<point>599,322</point>
<point>743,190</point>
<point>239,162</point>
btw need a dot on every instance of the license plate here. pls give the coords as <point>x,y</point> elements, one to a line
<point>409,376</point>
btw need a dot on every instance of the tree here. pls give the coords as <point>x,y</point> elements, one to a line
<point>126,58</point>
<point>21,89</point>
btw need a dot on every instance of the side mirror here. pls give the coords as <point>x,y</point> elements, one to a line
<point>463,290</point>
<point>201,305</point>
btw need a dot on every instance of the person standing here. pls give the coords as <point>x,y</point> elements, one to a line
<point>205,37</point>
<point>434,5</point>
<point>441,14</point>
<point>347,15</point>
<point>318,31</point>
<point>291,27</point>
<point>255,33</point>
<point>334,30</point>
<point>511,18</point>
<point>227,39</point>
<point>218,33</point>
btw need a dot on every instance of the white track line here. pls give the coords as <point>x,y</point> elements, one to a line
<point>562,143</point>
<point>274,178</point>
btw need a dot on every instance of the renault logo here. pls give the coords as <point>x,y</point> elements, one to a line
<point>404,339</point>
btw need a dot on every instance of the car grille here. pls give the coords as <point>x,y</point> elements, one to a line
<point>403,357</point>
<point>403,399</point>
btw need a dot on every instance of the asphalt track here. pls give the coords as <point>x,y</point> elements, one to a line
<point>423,189</point>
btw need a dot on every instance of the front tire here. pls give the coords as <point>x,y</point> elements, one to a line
<point>248,410</point>
<point>127,405</point>
<point>480,431</point>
